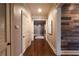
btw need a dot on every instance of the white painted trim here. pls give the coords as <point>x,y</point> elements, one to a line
<point>46,30</point>
<point>40,19</point>
<point>12,31</point>
<point>54,50</point>
<point>8,28</point>
<point>32,30</point>
<point>21,54</point>
<point>70,52</point>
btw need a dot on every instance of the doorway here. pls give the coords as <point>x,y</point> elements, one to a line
<point>39,29</point>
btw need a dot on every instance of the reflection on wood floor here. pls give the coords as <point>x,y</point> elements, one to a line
<point>39,47</point>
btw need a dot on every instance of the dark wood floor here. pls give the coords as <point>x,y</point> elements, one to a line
<point>39,47</point>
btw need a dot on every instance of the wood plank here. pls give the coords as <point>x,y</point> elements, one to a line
<point>39,47</point>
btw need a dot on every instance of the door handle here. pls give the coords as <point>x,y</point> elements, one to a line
<point>8,43</point>
<point>23,36</point>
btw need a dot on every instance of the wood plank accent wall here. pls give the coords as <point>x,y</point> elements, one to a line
<point>70,27</point>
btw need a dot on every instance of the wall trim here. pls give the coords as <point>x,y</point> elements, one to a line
<point>52,47</point>
<point>40,17</point>
<point>21,54</point>
<point>70,52</point>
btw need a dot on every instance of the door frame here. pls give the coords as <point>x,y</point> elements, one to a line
<point>9,22</point>
<point>5,45</point>
<point>8,29</point>
<point>12,28</point>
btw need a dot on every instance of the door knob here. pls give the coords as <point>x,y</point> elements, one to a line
<point>8,43</point>
<point>23,36</point>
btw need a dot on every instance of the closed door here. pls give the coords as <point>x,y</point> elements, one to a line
<point>25,32</point>
<point>4,42</point>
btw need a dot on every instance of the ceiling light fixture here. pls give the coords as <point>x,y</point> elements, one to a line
<point>39,10</point>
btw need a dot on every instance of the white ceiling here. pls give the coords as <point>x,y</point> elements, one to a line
<point>44,6</point>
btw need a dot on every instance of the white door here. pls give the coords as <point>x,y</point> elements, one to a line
<point>25,32</point>
<point>4,41</point>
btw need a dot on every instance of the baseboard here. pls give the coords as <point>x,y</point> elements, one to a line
<point>70,52</point>
<point>51,47</point>
<point>24,51</point>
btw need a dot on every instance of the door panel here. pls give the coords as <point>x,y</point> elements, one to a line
<point>24,32</point>
<point>3,32</point>
<point>3,49</point>
<point>2,29</point>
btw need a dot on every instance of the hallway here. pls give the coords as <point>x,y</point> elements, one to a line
<point>39,47</point>
<point>20,24</point>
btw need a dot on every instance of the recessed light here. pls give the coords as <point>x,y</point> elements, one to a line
<point>39,10</point>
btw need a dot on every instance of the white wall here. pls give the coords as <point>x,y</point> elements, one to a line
<point>58,40</point>
<point>20,44</point>
<point>54,38</point>
<point>17,31</point>
<point>26,29</point>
